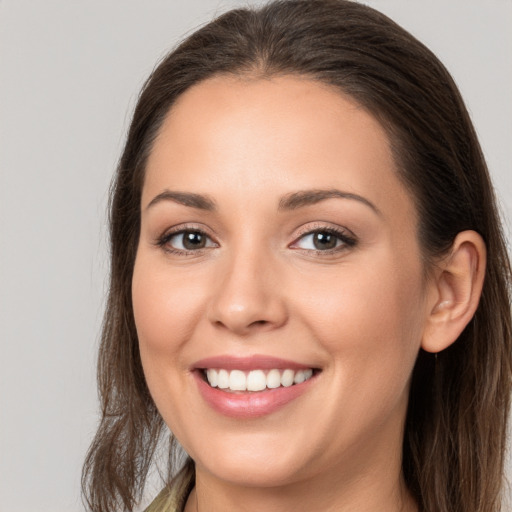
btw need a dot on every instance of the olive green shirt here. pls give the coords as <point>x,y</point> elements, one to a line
<point>174,496</point>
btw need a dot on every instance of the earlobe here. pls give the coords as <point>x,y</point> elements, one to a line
<point>455,290</point>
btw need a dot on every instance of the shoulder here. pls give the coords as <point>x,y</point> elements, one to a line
<point>174,496</point>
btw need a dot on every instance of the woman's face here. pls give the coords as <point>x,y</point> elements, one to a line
<point>277,243</point>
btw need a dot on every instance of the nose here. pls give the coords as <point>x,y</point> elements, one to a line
<point>248,296</point>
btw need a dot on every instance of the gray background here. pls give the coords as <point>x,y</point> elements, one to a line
<point>70,72</point>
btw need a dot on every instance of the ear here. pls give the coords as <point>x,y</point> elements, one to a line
<point>455,289</point>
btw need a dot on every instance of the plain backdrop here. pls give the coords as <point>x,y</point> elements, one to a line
<point>70,72</point>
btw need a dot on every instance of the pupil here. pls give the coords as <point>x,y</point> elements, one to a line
<point>324,241</point>
<point>193,240</point>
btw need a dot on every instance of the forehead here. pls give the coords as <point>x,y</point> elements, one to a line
<point>270,136</point>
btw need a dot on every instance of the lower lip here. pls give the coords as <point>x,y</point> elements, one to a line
<point>250,404</point>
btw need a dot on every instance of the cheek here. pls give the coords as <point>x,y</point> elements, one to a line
<point>370,320</point>
<point>167,307</point>
<point>371,329</point>
<point>165,310</point>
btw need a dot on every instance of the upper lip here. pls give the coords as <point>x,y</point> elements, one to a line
<point>254,362</point>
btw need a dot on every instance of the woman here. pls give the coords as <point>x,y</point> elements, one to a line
<point>309,282</point>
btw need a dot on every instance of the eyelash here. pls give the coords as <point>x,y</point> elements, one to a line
<point>347,239</point>
<point>164,240</point>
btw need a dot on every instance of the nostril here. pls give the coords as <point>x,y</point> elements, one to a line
<point>245,314</point>
<point>259,322</point>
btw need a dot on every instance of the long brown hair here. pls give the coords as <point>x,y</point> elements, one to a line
<point>455,432</point>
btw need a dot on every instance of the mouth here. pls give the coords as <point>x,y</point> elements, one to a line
<point>238,380</point>
<point>252,387</point>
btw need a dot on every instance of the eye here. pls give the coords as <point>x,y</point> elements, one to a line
<point>325,240</point>
<point>186,240</point>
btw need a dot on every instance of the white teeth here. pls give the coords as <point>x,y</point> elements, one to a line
<point>222,379</point>
<point>213,377</point>
<point>302,375</point>
<point>273,379</point>
<point>299,377</point>
<point>255,380</point>
<point>287,378</point>
<point>237,380</point>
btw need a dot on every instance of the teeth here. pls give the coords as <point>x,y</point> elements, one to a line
<point>302,375</point>
<point>255,380</point>
<point>237,381</point>
<point>287,378</point>
<point>273,379</point>
<point>213,377</point>
<point>299,377</point>
<point>223,379</point>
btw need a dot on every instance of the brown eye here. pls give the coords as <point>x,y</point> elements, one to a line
<point>190,240</point>
<point>194,240</point>
<point>324,241</point>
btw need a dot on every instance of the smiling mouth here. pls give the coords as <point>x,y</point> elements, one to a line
<point>255,380</point>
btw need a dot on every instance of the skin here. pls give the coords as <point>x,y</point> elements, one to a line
<point>359,313</point>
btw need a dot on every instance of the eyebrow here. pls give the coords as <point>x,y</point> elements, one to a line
<point>199,201</point>
<point>291,201</point>
<point>309,197</point>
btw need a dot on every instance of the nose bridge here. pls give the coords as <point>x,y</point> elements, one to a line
<point>247,295</point>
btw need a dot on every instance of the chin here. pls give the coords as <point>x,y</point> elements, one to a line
<point>253,460</point>
<point>255,472</point>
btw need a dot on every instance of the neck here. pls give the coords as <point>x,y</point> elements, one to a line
<point>375,491</point>
<point>256,500</point>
